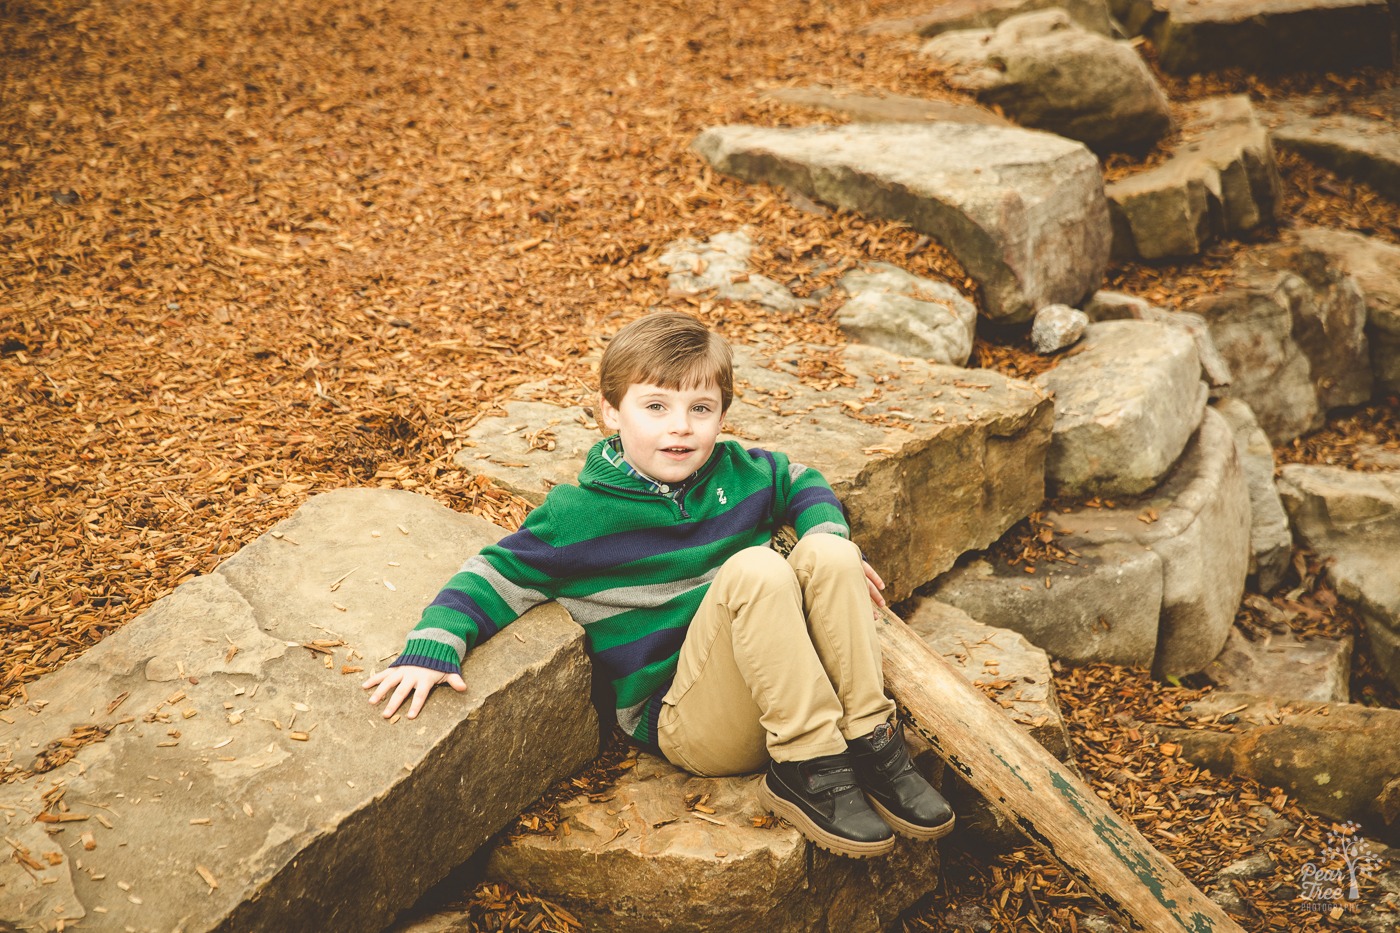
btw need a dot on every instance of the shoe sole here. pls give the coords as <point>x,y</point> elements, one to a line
<point>837,845</point>
<point>912,830</point>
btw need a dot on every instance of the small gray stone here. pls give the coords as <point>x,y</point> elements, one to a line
<point>907,314</point>
<point>1260,865</point>
<point>1125,405</point>
<point>1056,327</point>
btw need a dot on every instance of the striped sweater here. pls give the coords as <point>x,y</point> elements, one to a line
<point>629,563</point>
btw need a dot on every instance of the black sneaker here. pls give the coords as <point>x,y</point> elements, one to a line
<point>821,799</point>
<point>896,789</point>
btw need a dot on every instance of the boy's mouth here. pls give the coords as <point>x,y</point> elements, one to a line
<point>677,450</point>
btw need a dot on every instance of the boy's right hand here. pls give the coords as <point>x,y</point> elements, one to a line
<point>409,680</point>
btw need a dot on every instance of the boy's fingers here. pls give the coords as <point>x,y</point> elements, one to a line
<point>456,682</point>
<point>420,696</point>
<point>396,699</point>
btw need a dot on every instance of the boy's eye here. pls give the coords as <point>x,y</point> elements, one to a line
<point>655,406</point>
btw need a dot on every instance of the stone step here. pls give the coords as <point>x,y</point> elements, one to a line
<point>1282,667</point>
<point>1022,211</point>
<point>1270,537</point>
<point>929,461</point>
<point>1219,180</point>
<point>244,782</point>
<point>1262,36</point>
<point>1291,323</point>
<point>1153,579</point>
<point>1352,520</point>
<point>1362,144</point>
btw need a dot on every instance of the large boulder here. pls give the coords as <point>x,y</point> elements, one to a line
<point>1262,35</point>
<point>1023,212</point>
<point>215,765</point>
<point>930,461</point>
<point>1196,523</point>
<point>987,14</point>
<point>1291,324</point>
<point>1336,759</point>
<point>884,108</point>
<point>1353,521</point>
<point>1046,73</point>
<point>1117,306</point>
<point>1375,265</point>
<point>907,314</point>
<point>1270,538</point>
<point>1219,180</point>
<point>1126,403</point>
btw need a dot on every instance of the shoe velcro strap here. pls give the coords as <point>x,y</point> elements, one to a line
<point>832,778</point>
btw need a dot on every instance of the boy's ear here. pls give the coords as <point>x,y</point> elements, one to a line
<point>607,415</point>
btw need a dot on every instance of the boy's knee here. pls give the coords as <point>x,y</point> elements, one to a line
<point>822,549</point>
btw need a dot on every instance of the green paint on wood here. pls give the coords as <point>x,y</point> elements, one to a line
<point>1013,770</point>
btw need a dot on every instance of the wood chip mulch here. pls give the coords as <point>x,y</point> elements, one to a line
<point>249,253</point>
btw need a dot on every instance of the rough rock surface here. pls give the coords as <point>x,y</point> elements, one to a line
<point>1365,148</point>
<point>1017,675</point>
<point>908,314</point>
<point>1056,327</point>
<point>1047,73</point>
<point>1220,179</point>
<point>1353,520</point>
<point>1126,403</point>
<point>1280,666</point>
<point>642,861</point>
<point>987,14</point>
<point>1117,306</point>
<point>720,266</point>
<point>1197,523</point>
<point>1325,754</point>
<point>1375,265</point>
<point>1262,35</point>
<point>1270,538</point>
<point>1291,323</point>
<point>1103,607</point>
<point>237,754</point>
<point>1023,212</point>
<point>945,460</point>
<point>887,108</point>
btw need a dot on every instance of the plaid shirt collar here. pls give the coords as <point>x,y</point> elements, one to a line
<point>612,452</point>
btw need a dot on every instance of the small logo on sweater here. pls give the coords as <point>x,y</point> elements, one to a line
<point>719,494</point>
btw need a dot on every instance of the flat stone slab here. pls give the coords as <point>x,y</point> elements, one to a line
<point>641,859</point>
<point>1126,402</point>
<point>1291,323</point>
<point>930,461</point>
<point>885,108</point>
<point>720,267</point>
<point>1270,537</point>
<point>1375,266</point>
<point>987,14</point>
<point>1330,756</point>
<point>1358,138</point>
<point>1262,35</point>
<point>1197,524</point>
<point>1046,72</point>
<point>1282,667</point>
<point>1023,212</point>
<point>1221,179</point>
<point>1353,520</point>
<point>244,782</point>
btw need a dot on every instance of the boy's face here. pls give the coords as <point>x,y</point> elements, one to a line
<point>667,434</point>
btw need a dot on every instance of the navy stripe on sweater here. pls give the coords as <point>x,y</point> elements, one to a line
<point>635,655</point>
<point>603,554</point>
<point>461,602</point>
<point>813,495</point>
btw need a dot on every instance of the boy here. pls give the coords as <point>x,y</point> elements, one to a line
<point>722,655</point>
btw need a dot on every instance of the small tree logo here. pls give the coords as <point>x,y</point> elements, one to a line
<point>1326,884</point>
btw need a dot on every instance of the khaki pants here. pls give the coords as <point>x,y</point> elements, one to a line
<point>779,662</point>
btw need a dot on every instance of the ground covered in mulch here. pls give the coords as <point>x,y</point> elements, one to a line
<point>250,252</point>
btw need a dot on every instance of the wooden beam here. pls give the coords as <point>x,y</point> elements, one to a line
<point>1055,809</point>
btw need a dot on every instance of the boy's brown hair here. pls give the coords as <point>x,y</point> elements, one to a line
<point>669,349</point>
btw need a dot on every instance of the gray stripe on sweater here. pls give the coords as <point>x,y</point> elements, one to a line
<point>828,528</point>
<point>518,598</point>
<point>631,717</point>
<point>441,636</point>
<point>605,604</point>
<point>795,470</point>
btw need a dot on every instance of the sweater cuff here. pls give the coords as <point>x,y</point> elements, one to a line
<point>433,655</point>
